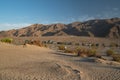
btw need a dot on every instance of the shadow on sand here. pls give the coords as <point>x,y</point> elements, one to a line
<point>65,54</point>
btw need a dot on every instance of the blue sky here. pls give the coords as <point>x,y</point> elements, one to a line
<point>20,13</point>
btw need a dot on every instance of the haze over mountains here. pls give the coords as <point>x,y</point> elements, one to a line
<point>92,28</point>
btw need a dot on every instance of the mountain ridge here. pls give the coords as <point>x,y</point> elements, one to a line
<point>91,28</point>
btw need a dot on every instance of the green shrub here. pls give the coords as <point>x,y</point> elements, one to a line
<point>110,52</point>
<point>116,57</point>
<point>7,40</point>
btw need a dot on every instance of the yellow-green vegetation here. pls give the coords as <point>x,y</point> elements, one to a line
<point>61,47</point>
<point>7,40</point>
<point>91,52</point>
<point>116,57</point>
<point>83,52</point>
<point>110,52</point>
<point>79,48</point>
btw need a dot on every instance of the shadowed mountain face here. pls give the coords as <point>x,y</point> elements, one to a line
<point>97,28</point>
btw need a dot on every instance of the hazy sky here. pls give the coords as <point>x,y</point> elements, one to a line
<point>20,13</point>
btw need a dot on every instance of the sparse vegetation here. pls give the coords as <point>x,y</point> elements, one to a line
<point>81,52</point>
<point>61,47</point>
<point>77,44</point>
<point>60,43</point>
<point>45,46</point>
<point>116,57</point>
<point>103,45</point>
<point>87,52</point>
<point>94,45</point>
<point>64,43</point>
<point>113,44</point>
<point>34,42</point>
<point>110,52</point>
<point>91,52</point>
<point>69,51</point>
<point>7,40</point>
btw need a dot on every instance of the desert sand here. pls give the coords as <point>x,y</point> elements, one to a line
<point>38,63</point>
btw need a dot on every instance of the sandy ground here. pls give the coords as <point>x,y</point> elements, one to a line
<point>36,63</point>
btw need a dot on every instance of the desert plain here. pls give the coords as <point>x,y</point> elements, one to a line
<point>40,63</point>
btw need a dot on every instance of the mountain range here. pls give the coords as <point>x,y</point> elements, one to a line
<point>92,28</point>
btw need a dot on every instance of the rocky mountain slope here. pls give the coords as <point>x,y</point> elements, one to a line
<point>97,28</point>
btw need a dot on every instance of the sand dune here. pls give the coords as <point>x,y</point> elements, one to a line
<point>38,63</point>
<point>32,63</point>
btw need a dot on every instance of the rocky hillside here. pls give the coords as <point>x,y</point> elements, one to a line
<point>97,28</point>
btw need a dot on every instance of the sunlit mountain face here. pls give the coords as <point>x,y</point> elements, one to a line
<point>92,28</point>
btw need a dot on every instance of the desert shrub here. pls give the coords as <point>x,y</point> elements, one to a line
<point>109,52</point>
<point>69,51</point>
<point>97,44</point>
<point>113,45</point>
<point>94,46</point>
<point>44,42</point>
<point>67,43</point>
<point>36,42</point>
<point>7,40</point>
<point>77,44</point>
<point>91,52</point>
<point>80,52</point>
<point>76,49</point>
<point>98,56</point>
<point>61,47</point>
<point>87,52</point>
<point>50,42</point>
<point>83,44</point>
<point>45,45</point>
<point>116,57</point>
<point>103,45</point>
<point>27,41</point>
<point>60,43</point>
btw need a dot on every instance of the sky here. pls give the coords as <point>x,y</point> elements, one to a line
<point>21,13</point>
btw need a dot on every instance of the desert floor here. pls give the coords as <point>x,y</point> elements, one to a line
<point>38,63</point>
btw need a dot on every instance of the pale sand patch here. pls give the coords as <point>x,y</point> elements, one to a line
<point>33,63</point>
<point>38,63</point>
